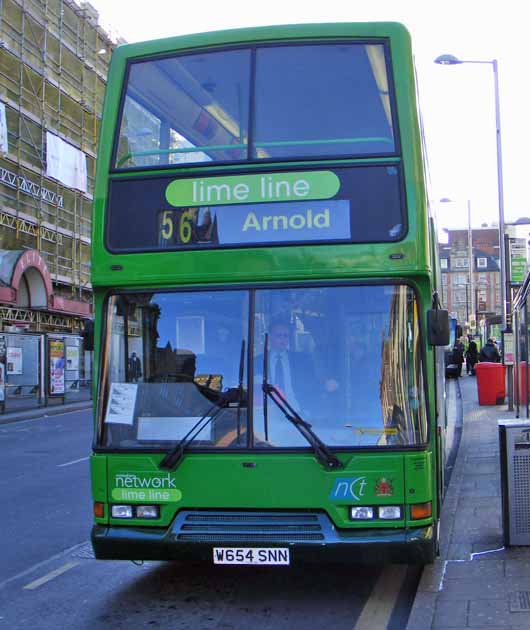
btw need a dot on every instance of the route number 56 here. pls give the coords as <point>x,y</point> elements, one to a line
<point>180,224</point>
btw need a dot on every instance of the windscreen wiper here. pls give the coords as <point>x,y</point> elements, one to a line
<point>265,387</point>
<point>226,399</point>
<point>240,388</point>
<point>173,459</point>
<point>322,452</point>
<point>229,398</point>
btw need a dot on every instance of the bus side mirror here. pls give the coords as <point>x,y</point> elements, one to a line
<point>438,327</point>
<point>88,335</point>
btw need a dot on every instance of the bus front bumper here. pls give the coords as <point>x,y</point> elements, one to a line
<point>319,542</point>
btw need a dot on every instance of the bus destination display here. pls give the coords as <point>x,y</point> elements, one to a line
<point>343,205</point>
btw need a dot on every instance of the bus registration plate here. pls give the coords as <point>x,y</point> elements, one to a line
<point>251,555</point>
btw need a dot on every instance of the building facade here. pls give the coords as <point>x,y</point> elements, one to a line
<point>54,58</point>
<point>53,66</point>
<point>471,297</point>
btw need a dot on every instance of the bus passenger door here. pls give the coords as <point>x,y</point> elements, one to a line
<point>441,421</point>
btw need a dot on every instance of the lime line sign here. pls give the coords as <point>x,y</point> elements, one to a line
<point>246,189</point>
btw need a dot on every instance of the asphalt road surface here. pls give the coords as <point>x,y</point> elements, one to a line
<point>50,579</point>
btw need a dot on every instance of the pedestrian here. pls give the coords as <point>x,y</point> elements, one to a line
<point>490,353</point>
<point>135,368</point>
<point>471,357</point>
<point>458,355</point>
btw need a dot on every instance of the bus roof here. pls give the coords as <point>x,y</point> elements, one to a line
<point>263,33</point>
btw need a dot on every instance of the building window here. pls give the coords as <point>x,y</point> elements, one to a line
<point>482,300</point>
<point>459,278</point>
<point>459,296</point>
<point>461,263</point>
<point>443,263</point>
<point>482,263</point>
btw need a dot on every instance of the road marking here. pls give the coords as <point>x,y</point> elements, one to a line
<point>75,461</point>
<point>50,576</point>
<point>51,416</point>
<point>379,606</point>
<point>62,554</point>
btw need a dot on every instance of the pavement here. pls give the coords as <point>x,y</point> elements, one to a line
<point>475,582</point>
<point>43,412</point>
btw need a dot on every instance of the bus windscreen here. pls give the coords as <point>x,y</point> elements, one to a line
<point>346,358</point>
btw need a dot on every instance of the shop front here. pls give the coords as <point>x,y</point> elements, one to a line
<point>43,359</point>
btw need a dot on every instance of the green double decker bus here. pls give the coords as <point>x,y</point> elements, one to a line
<point>268,337</point>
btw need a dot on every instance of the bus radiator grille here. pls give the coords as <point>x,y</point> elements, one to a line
<point>248,538</point>
<point>248,526</point>
<point>258,517</point>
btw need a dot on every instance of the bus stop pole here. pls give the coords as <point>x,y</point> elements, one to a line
<point>507,331</point>
<point>509,376</point>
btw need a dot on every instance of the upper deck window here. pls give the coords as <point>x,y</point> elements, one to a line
<point>192,108</point>
<point>307,101</point>
<point>322,101</point>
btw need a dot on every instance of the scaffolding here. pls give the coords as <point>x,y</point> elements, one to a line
<point>39,319</point>
<point>53,67</point>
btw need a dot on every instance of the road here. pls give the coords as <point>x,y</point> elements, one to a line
<point>49,578</point>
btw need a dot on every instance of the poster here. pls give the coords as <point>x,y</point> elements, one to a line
<point>122,400</point>
<point>508,345</point>
<point>72,358</point>
<point>14,360</point>
<point>56,367</point>
<point>2,368</point>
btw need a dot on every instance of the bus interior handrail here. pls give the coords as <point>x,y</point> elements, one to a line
<point>261,145</point>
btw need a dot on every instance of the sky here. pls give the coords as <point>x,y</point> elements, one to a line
<point>457,102</point>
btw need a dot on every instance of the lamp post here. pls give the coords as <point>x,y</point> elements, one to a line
<point>470,306</point>
<point>466,286</point>
<point>451,60</point>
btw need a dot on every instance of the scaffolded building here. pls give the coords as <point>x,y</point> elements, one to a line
<point>53,66</point>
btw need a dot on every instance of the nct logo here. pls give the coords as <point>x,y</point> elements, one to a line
<point>348,488</point>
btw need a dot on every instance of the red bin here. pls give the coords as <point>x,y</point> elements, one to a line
<point>491,383</point>
<point>523,387</point>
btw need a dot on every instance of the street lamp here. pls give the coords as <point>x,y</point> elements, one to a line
<point>451,60</point>
<point>466,287</point>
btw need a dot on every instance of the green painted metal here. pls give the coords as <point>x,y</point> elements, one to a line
<point>98,477</point>
<point>294,263</point>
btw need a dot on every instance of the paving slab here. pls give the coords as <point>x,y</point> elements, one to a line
<point>475,582</point>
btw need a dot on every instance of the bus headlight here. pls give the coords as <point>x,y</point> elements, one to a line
<point>389,512</point>
<point>122,511</point>
<point>361,513</point>
<point>147,511</point>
